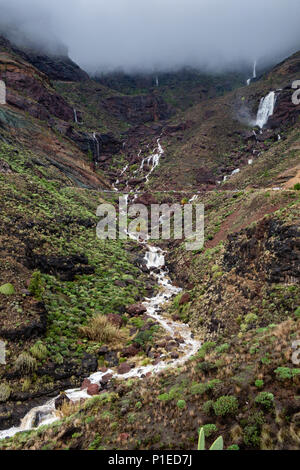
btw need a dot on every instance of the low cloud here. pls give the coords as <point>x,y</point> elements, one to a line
<point>152,35</point>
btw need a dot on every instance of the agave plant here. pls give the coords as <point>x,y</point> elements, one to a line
<point>217,445</point>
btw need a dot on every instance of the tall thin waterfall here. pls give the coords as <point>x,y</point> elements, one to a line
<point>254,73</point>
<point>75,116</point>
<point>2,92</point>
<point>266,109</point>
<point>156,80</point>
<point>96,146</point>
<point>254,69</point>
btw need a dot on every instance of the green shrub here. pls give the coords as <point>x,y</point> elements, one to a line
<point>207,406</point>
<point>198,389</point>
<point>286,373</point>
<point>265,399</point>
<point>181,404</point>
<point>39,351</point>
<point>25,363</point>
<point>4,392</point>
<point>164,397</point>
<point>297,312</point>
<point>225,405</point>
<point>297,187</point>
<point>221,349</point>
<point>205,348</point>
<point>36,285</point>
<point>259,383</point>
<point>233,447</point>
<point>209,429</point>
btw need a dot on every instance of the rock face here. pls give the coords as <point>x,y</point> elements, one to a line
<point>286,112</point>
<point>272,247</point>
<point>30,90</point>
<point>138,109</point>
<point>57,67</point>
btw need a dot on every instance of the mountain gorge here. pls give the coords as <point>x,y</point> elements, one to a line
<point>72,305</point>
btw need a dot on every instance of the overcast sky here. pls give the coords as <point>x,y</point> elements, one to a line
<point>160,34</point>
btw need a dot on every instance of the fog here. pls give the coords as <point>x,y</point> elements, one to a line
<point>147,35</point>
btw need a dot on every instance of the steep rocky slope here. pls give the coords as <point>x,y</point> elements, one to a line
<point>62,144</point>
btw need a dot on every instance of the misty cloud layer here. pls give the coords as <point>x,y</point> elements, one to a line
<point>152,35</point>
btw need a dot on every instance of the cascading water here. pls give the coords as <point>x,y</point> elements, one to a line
<point>75,116</point>
<point>152,160</point>
<point>155,262</point>
<point>254,73</point>
<point>266,109</point>
<point>97,147</point>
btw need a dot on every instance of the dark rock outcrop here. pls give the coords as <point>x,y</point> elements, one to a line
<point>138,109</point>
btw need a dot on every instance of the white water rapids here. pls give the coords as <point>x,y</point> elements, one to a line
<point>155,260</point>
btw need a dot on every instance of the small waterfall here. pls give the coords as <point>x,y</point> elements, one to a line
<point>121,174</point>
<point>154,258</point>
<point>254,69</point>
<point>157,81</point>
<point>2,92</point>
<point>153,160</point>
<point>96,141</point>
<point>254,73</point>
<point>75,116</point>
<point>266,109</point>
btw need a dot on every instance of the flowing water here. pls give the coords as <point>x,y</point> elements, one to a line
<point>266,109</point>
<point>254,73</point>
<point>153,160</point>
<point>155,261</point>
<point>75,116</point>
<point>97,147</point>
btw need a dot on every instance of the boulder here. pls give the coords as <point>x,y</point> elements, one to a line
<point>93,389</point>
<point>136,309</point>
<point>185,298</point>
<point>130,351</point>
<point>124,368</point>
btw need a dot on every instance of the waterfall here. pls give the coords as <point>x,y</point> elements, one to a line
<point>254,69</point>
<point>266,109</point>
<point>75,116</point>
<point>96,146</point>
<point>156,81</point>
<point>153,160</point>
<point>2,92</point>
<point>155,261</point>
<point>254,73</point>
